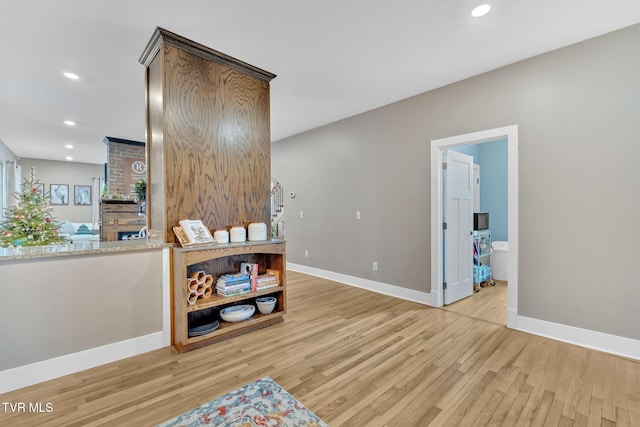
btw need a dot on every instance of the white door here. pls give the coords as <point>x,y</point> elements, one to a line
<point>458,217</point>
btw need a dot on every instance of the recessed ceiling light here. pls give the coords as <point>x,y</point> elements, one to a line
<point>69,158</point>
<point>481,10</point>
<point>71,76</point>
<point>69,123</point>
<point>69,146</point>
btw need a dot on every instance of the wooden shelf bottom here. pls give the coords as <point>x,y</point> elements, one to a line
<point>228,330</point>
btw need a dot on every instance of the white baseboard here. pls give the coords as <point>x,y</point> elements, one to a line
<point>370,285</point>
<point>621,346</point>
<point>23,376</point>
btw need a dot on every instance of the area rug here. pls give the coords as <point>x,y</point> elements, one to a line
<point>262,403</point>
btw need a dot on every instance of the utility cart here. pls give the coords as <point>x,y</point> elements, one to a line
<point>481,259</point>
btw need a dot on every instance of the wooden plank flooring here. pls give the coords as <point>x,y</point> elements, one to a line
<point>489,304</point>
<point>357,358</point>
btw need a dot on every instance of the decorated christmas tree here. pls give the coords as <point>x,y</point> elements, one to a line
<point>29,222</point>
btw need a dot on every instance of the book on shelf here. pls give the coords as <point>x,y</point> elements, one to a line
<point>224,283</point>
<point>195,232</point>
<point>250,269</point>
<point>266,284</point>
<point>267,279</point>
<point>275,273</point>
<point>229,288</point>
<point>180,236</point>
<point>233,293</point>
<point>234,278</point>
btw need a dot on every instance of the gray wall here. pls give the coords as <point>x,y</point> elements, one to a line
<point>6,153</point>
<point>56,306</point>
<point>578,111</point>
<point>70,173</point>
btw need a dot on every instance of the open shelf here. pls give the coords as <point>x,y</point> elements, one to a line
<point>227,328</point>
<point>218,300</point>
<point>217,260</point>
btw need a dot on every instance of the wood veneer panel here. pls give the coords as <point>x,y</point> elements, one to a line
<point>216,140</point>
<point>154,148</point>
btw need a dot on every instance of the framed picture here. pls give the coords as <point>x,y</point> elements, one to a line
<point>59,194</point>
<point>82,195</point>
<point>40,187</point>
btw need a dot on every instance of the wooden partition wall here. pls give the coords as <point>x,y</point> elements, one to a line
<point>208,136</point>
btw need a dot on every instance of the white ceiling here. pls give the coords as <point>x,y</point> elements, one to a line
<point>333,58</point>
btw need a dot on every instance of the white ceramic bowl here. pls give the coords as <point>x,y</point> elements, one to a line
<point>266,304</point>
<point>237,313</point>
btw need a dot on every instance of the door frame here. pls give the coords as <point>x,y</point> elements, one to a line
<point>437,148</point>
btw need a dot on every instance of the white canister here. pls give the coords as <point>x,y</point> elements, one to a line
<point>257,231</point>
<point>238,234</point>
<point>221,236</point>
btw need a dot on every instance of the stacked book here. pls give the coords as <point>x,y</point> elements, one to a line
<point>251,270</point>
<point>229,285</point>
<point>265,281</point>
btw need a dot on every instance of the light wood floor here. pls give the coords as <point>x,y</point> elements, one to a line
<point>357,358</point>
<point>489,304</point>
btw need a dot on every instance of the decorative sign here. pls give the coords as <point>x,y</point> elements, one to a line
<point>134,171</point>
<point>138,167</point>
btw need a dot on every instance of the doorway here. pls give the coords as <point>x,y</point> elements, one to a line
<point>438,146</point>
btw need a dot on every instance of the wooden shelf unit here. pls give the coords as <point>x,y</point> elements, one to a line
<point>218,259</point>
<point>194,171</point>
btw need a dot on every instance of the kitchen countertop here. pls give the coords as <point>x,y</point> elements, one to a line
<point>78,248</point>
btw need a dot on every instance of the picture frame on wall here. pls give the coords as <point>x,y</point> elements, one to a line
<point>59,194</point>
<point>40,188</point>
<point>82,195</point>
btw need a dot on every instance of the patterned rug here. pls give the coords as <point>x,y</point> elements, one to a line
<point>262,403</point>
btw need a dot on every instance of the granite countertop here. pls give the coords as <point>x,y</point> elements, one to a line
<point>79,248</point>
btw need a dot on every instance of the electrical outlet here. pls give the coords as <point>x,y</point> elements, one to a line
<point>375,266</point>
<point>306,253</point>
<point>301,214</point>
<point>358,215</point>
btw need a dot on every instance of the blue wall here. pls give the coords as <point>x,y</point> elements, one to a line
<point>492,158</point>
<point>469,150</point>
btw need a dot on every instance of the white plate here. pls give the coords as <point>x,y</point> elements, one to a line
<point>237,313</point>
